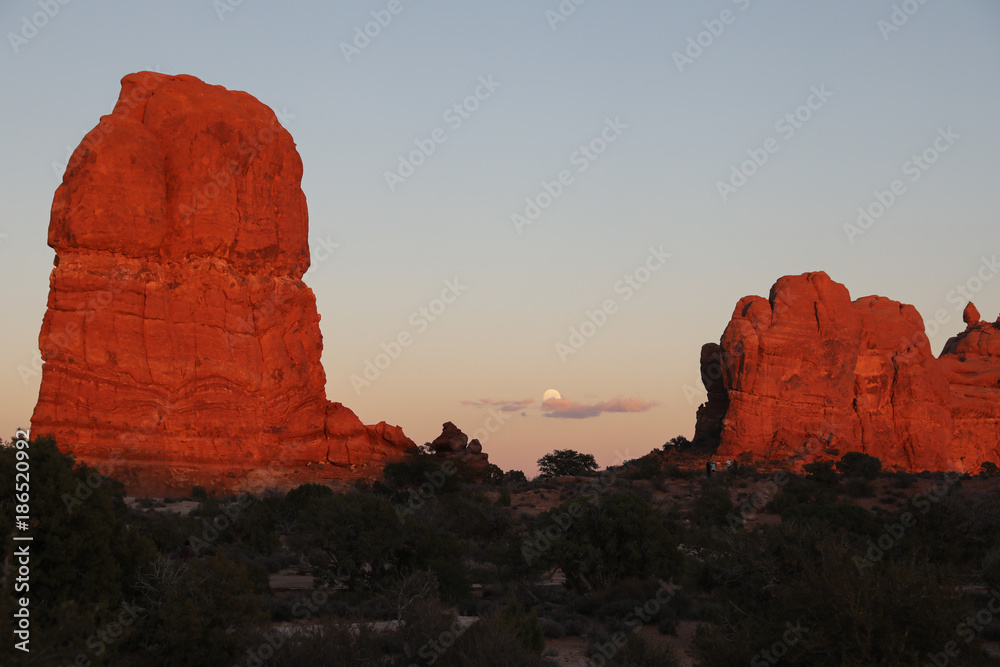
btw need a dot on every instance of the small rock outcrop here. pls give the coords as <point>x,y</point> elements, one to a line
<point>454,445</point>
<point>451,439</point>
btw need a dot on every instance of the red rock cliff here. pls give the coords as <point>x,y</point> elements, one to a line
<point>807,372</point>
<point>180,344</point>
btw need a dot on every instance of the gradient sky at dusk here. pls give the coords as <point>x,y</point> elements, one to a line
<point>881,94</point>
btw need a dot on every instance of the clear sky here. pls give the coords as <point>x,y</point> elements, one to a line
<point>670,100</point>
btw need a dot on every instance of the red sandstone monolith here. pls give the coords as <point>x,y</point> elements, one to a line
<point>180,344</point>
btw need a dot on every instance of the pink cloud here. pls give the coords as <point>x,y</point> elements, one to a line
<point>502,406</point>
<point>564,408</point>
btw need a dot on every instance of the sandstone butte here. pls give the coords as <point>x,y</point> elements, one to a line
<point>807,374</point>
<point>180,345</point>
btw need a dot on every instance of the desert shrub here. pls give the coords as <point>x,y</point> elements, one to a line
<point>614,614</point>
<point>639,652</point>
<point>524,623</point>
<point>955,525</point>
<point>599,544</point>
<point>674,472</point>
<point>443,478</point>
<point>572,623</point>
<point>713,506</point>
<point>802,490</point>
<point>167,530</point>
<point>551,628</point>
<point>514,478</point>
<point>856,463</point>
<point>332,643</point>
<point>843,516</point>
<point>860,487</point>
<point>843,614</point>
<point>493,642</point>
<point>468,516</point>
<point>988,469</point>
<point>85,554</point>
<point>668,624</point>
<point>196,613</point>
<point>353,537</point>
<point>821,472</point>
<point>426,548</point>
<point>649,466</point>
<point>492,474</point>
<point>904,480</point>
<point>301,497</point>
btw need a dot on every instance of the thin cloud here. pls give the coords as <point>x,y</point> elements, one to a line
<point>564,408</point>
<point>502,406</point>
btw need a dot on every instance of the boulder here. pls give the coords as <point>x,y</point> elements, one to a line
<point>451,439</point>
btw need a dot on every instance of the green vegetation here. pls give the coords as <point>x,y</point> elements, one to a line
<point>841,565</point>
<point>566,462</point>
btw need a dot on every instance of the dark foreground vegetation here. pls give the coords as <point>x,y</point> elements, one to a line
<point>645,564</point>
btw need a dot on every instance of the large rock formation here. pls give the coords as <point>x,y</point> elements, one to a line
<point>180,344</point>
<point>808,374</point>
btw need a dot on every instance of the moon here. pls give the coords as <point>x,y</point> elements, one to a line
<point>551,393</point>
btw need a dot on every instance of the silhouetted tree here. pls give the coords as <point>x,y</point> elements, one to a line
<point>566,462</point>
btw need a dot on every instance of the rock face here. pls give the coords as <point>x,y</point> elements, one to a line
<point>180,344</point>
<point>451,439</point>
<point>808,374</point>
<point>455,445</point>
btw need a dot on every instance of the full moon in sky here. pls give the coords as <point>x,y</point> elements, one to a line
<point>551,393</point>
